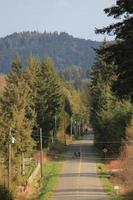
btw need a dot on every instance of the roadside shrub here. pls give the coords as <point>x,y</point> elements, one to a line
<point>57,147</point>
<point>110,126</point>
<point>127,168</point>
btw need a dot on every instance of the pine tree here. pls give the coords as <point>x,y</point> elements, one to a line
<point>102,76</point>
<point>49,99</point>
<point>32,75</point>
<point>109,116</point>
<point>47,95</point>
<point>122,49</point>
<point>17,114</point>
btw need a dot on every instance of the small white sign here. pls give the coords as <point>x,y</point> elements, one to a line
<point>116,187</point>
<point>13,140</point>
<point>105,150</point>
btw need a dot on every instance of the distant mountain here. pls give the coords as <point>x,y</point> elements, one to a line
<point>64,49</point>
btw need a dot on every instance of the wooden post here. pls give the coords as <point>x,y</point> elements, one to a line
<point>22,164</point>
<point>71,128</point>
<point>52,139</point>
<point>9,160</point>
<point>55,124</point>
<point>65,131</point>
<point>41,154</point>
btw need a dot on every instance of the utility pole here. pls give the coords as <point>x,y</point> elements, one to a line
<point>22,164</point>
<point>71,128</point>
<point>55,124</point>
<point>9,159</point>
<point>52,136</point>
<point>65,131</point>
<point>79,129</point>
<point>41,154</point>
<point>75,128</point>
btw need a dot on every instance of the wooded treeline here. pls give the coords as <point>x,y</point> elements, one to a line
<point>111,89</point>
<point>64,49</point>
<point>35,97</point>
<point>77,76</point>
<point>110,115</point>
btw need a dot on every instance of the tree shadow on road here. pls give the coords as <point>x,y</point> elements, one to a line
<point>85,194</point>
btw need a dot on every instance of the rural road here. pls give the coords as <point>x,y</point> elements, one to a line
<point>78,179</point>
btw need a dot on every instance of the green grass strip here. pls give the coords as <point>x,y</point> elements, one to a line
<point>107,185</point>
<point>51,174</point>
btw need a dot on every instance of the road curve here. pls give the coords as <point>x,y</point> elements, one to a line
<point>78,179</point>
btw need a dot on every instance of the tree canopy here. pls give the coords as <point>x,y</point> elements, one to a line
<point>122,50</point>
<point>109,116</point>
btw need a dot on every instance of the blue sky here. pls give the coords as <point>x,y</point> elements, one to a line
<point>76,17</point>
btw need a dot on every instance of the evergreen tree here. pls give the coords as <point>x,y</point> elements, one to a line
<point>47,95</point>
<point>32,75</point>
<point>109,116</point>
<point>18,117</point>
<point>121,50</point>
<point>102,76</point>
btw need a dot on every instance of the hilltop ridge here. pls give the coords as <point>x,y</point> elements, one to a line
<point>64,49</point>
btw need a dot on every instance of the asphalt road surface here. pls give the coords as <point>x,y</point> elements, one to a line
<point>78,179</point>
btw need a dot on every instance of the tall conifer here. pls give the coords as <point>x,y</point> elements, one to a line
<point>18,117</point>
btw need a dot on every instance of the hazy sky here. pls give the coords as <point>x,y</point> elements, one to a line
<point>76,17</point>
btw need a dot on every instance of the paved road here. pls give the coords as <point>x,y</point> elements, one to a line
<point>78,179</point>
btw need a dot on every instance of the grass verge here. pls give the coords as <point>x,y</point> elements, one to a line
<point>107,185</point>
<point>43,189</point>
<point>51,171</point>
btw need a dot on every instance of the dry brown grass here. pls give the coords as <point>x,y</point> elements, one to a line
<point>126,175</point>
<point>127,172</point>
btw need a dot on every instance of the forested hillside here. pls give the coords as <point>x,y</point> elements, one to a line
<point>65,50</point>
<point>75,75</point>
